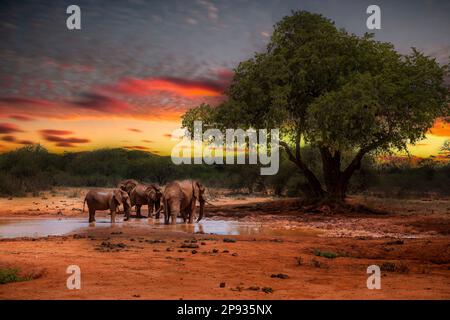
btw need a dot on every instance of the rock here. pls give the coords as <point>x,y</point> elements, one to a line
<point>225,251</point>
<point>215,251</point>
<point>253,288</point>
<point>194,251</point>
<point>280,276</point>
<point>222,285</point>
<point>235,254</point>
<point>229,240</point>
<point>189,246</point>
<point>267,290</point>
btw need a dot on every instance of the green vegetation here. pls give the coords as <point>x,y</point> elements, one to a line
<point>32,169</point>
<point>8,275</point>
<point>328,254</point>
<point>342,96</point>
<point>392,267</point>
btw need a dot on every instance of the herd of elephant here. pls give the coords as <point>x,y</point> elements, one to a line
<point>177,198</point>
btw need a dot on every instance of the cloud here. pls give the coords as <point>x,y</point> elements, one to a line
<point>185,88</point>
<point>9,138</point>
<point>147,98</point>
<point>13,139</point>
<point>134,130</point>
<point>21,117</point>
<point>100,102</point>
<point>55,132</point>
<point>9,128</point>
<point>56,136</point>
<point>25,142</point>
<point>147,141</point>
<point>24,101</point>
<point>65,140</point>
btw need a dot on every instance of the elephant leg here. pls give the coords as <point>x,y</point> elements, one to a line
<point>127,216</point>
<point>113,215</point>
<point>91,215</point>
<point>173,210</point>
<point>138,211</point>
<point>149,210</point>
<point>192,212</point>
<point>157,209</point>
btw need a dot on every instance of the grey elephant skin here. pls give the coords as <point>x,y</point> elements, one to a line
<point>107,200</point>
<point>146,194</point>
<point>180,197</point>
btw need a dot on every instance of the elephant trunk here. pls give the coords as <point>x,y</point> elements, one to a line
<point>160,207</point>
<point>202,205</point>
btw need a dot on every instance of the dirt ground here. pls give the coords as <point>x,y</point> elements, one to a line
<point>317,254</point>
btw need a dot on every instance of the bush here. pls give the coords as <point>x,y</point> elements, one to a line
<point>11,275</point>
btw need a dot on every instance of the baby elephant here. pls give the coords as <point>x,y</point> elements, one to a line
<point>107,199</point>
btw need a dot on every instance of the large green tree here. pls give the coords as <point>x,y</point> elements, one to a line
<point>345,95</point>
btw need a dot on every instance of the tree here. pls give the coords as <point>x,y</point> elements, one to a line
<point>344,95</point>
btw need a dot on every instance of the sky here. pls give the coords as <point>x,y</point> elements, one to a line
<point>135,67</point>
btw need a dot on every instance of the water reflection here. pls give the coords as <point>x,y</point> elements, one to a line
<point>12,228</point>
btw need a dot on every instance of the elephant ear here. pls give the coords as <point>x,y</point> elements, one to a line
<point>125,198</point>
<point>198,190</point>
<point>117,195</point>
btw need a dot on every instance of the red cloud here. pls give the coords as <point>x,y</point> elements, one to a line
<point>55,132</point>
<point>55,136</point>
<point>149,98</point>
<point>21,117</point>
<point>175,86</point>
<point>9,128</point>
<point>9,138</point>
<point>68,140</point>
<point>147,141</point>
<point>134,130</point>
<point>25,142</point>
<point>12,139</point>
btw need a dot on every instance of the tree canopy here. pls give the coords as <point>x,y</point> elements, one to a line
<point>334,91</point>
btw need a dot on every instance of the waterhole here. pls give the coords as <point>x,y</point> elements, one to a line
<point>42,227</point>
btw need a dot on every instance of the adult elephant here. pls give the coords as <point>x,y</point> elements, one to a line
<point>180,197</point>
<point>146,194</point>
<point>107,199</point>
<point>127,185</point>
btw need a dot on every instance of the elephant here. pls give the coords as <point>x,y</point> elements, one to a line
<point>107,199</point>
<point>143,194</point>
<point>180,197</point>
<point>127,185</point>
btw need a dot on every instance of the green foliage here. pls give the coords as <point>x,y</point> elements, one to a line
<point>8,275</point>
<point>341,94</point>
<point>84,169</point>
<point>328,254</point>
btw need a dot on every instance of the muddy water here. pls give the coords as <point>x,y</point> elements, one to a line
<point>14,228</point>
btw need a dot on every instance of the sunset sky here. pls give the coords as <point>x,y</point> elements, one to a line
<point>125,78</point>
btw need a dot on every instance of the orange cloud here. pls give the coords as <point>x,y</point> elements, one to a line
<point>180,87</point>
